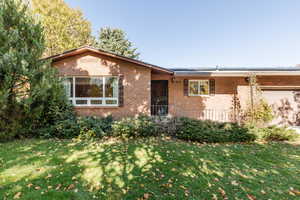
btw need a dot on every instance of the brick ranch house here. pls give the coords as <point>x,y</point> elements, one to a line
<point>100,83</point>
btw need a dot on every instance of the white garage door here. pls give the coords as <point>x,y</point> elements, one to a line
<point>286,106</point>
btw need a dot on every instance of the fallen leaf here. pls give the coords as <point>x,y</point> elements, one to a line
<point>251,197</point>
<point>296,192</point>
<point>291,193</point>
<point>37,187</point>
<point>49,176</point>
<point>186,193</point>
<point>214,197</point>
<point>58,187</point>
<point>234,183</point>
<point>98,187</point>
<point>71,187</point>
<point>146,196</point>
<point>17,195</point>
<point>223,193</point>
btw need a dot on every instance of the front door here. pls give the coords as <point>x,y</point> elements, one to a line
<point>159,97</point>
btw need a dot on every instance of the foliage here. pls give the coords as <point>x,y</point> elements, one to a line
<point>211,132</point>
<point>81,127</point>
<point>31,95</point>
<point>64,27</point>
<point>154,168</point>
<point>274,133</point>
<point>258,112</point>
<point>115,41</point>
<point>93,127</point>
<point>165,124</point>
<point>141,126</point>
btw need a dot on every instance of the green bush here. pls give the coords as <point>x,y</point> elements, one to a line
<point>82,127</point>
<point>93,127</point>
<point>211,132</point>
<point>260,115</point>
<point>274,133</point>
<point>142,126</point>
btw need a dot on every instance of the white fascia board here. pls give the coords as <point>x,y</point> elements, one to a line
<point>237,73</point>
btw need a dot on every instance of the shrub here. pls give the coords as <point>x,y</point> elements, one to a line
<point>165,124</point>
<point>142,126</point>
<point>210,131</point>
<point>260,115</point>
<point>67,128</point>
<point>274,133</point>
<point>82,127</point>
<point>93,127</point>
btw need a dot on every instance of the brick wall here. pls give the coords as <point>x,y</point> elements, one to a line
<point>226,89</point>
<point>137,86</point>
<point>137,81</point>
<point>192,106</point>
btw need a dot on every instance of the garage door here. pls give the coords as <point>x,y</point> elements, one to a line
<point>286,106</point>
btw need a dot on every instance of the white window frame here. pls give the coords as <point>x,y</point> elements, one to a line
<point>88,99</point>
<point>199,86</point>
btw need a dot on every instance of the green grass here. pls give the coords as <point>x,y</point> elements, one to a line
<point>148,168</point>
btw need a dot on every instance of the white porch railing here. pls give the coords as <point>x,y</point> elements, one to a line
<point>220,115</point>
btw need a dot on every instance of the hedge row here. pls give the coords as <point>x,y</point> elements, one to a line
<point>182,128</point>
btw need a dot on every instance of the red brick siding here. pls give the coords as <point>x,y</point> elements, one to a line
<point>137,81</point>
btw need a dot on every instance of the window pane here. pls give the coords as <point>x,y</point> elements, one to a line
<point>81,102</point>
<point>204,87</point>
<point>68,84</point>
<point>193,88</point>
<point>95,102</point>
<point>89,87</point>
<point>111,87</point>
<point>111,102</point>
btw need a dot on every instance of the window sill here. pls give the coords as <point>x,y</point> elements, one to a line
<point>84,107</point>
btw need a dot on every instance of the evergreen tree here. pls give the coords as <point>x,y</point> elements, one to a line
<point>30,91</point>
<point>64,27</point>
<point>115,41</point>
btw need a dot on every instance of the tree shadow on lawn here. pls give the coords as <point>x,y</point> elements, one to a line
<point>152,168</point>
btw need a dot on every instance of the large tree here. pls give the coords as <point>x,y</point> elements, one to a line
<point>64,27</point>
<point>115,41</point>
<point>31,94</point>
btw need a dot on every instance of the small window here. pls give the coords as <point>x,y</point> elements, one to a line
<point>198,87</point>
<point>68,84</point>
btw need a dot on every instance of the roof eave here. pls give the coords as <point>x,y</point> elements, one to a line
<point>83,49</point>
<point>237,73</point>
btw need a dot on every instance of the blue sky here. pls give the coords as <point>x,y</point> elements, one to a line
<point>198,33</point>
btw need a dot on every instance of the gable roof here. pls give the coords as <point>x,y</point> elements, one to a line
<point>84,49</point>
<point>205,71</point>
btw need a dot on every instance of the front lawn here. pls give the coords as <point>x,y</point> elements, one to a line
<point>148,169</point>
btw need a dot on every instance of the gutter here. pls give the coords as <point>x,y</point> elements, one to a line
<point>236,73</point>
